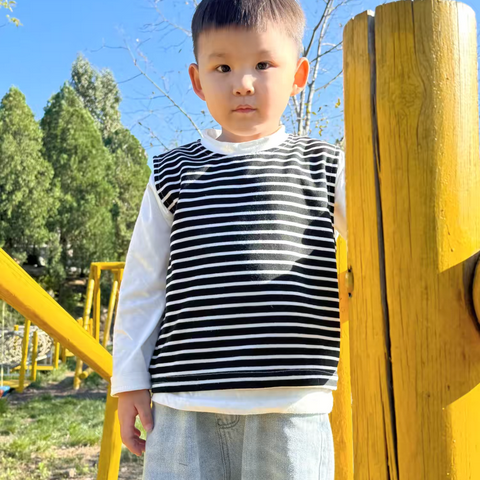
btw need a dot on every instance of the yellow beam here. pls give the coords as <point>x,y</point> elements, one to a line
<point>21,292</point>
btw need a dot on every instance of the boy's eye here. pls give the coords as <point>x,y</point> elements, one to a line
<point>220,66</point>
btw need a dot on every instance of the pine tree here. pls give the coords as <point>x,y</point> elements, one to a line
<point>82,171</point>
<point>100,95</point>
<point>26,198</point>
<point>131,174</point>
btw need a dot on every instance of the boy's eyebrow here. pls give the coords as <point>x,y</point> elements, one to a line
<point>220,54</point>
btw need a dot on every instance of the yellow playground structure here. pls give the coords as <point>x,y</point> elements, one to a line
<point>407,404</point>
<point>26,345</point>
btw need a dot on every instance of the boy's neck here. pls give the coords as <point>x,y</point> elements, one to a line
<point>210,140</point>
<point>226,136</point>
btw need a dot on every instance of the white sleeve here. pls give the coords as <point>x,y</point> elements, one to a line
<point>142,295</point>
<point>340,209</point>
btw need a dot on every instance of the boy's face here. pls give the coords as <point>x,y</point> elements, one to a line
<point>256,69</point>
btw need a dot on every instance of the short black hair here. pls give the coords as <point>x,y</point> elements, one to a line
<point>251,14</point>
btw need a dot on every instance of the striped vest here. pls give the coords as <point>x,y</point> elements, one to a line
<point>251,289</point>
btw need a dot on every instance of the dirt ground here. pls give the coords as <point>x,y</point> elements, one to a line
<point>128,470</point>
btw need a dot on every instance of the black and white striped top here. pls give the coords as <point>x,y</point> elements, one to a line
<point>251,288</point>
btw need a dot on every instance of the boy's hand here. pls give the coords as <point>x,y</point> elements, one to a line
<point>131,404</point>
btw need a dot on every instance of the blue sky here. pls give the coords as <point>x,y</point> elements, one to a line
<point>37,58</point>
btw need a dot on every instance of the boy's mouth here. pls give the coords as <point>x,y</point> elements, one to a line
<point>244,109</point>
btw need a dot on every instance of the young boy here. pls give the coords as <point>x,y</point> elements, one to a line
<point>228,310</point>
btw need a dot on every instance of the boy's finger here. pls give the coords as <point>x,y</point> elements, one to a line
<point>127,426</point>
<point>145,414</point>
<point>136,446</point>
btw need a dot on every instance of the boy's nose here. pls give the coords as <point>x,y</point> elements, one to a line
<point>244,90</point>
<point>244,85</point>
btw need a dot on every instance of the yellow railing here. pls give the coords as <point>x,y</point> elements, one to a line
<point>22,293</point>
<point>93,301</point>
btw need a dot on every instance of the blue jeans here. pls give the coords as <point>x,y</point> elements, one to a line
<point>186,445</point>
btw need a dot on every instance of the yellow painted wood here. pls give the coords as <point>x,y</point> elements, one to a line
<point>63,354</point>
<point>111,305</point>
<point>341,415</point>
<point>414,240</point>
<point>20,291</point>
<point>372,409</point>
<point>15,384</point>
<point>79,365</point>
<point>78,377</point>
<point>111,447</point>
<point>23,364</point>
<point>110,265</point>
<point>33,374</point>
<point>93,300</point>
<point>88,300</point>
<point>85,373</point>
<point>427,100</point>
<point>56,354</point>
<point>96,301</point>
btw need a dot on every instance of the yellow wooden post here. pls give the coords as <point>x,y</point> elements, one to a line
<point>23,364</point>
<point>56,354</point>
<point>15,329</point>
<point>78,366</point>
<point>111,305</point>
<point>86,323</point>
<point>33,375</point>
<point>96,302</point>
<point>413,206</point>
<point>88,299</point>
<point>111,447</point>
<point>341,415</point>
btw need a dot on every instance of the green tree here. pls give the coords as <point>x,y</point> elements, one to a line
<point>100,95</point>
<point>82,165</point>
<point>130,177</point>
<point>26,199</point>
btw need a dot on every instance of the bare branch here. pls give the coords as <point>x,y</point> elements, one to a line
<point>152,134</point>
<point>315,70</point>
<point>160,89</point>
<point>325,53</point>
<point>332,80</point>
<point>314,31</point>
<point>186,32</point>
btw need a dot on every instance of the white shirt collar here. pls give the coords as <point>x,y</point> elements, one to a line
<point>210,142</point>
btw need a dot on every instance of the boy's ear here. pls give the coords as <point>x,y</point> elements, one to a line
<point>195,78</point>
<point>301,76</point>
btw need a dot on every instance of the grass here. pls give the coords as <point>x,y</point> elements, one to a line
<point>54,437</point>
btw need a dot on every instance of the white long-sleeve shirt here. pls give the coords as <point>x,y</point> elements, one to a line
<point>143,297</point>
